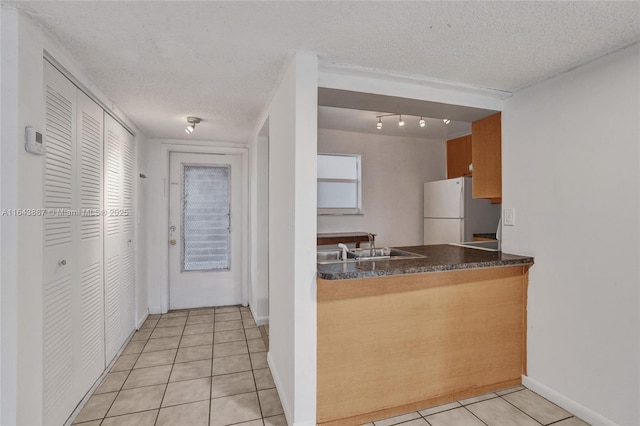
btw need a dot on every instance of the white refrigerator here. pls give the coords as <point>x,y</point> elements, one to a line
<point>452,215</point>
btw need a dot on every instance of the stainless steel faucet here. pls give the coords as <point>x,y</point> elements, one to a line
<point>372,244</point>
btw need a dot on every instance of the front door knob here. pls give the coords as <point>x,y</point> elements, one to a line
<point>172,242</point>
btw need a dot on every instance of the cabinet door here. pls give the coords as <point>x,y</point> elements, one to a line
<point>458,157</point>
<point>486,151</point>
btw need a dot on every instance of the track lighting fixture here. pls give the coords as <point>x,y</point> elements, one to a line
<point>446,121</point>
<point>422,123</point>
<point>400,121</point>
<point>379,125</point>
<point>192,124</point>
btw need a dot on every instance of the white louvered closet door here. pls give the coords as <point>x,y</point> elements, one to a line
<point>89,338</point>
<point>60,261</point>
<point>118,247</point>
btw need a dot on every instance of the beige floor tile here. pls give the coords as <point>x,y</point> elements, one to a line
<point>228,349</point>
<point>154,359</point>
<point>231,364</point>
<point>162,344</point>
<point>456,417</point>
<point>187,391</point>
<point>258,422</point>
<point>141,335</point>
<point>228,336</point>
<point>573,421</point>
<point>194,353</point>
<point>232,384</point>
<point>263,377</point>
<point>536,406</point>
<point>228,325</point>
<point>280,420</point>
<point>234,409</point>
<point>175,314</point>
<point>256,345</point>
<point>147,377</point>
<point>249,323</point>
<point>149,324</point>
<point>253,333</point>
<point>198,329</point>
<point>91,423</point>
<point>112,382</point>
<point>154,316</point>
<point>397,419</point>
<point>478,398</point>
<point>440,408</point>
<point>125,362</point>
<point>159,332</point>
<point>145,418</point>
<point>270,402</point>
<point>200,319</point>
<point>259,360</point>
<point>202,311</point>
<point>227,309</point>
<point>498,412</point>
<point>136,400</point>
<point>196,340</point>
<point>194,414</point>
<point>191,370</point>
<point>509,390</point>
<point>172,321</point>
<point>232,316</point>
<point>96,407</point>
<point>417,422</point>
<point>134,347</point>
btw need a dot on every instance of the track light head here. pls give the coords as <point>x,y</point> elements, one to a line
<point>446,121</point>
<point>422,123</point>
<point>192,124</point>
<point>379,124</point>
<point>400,121</point>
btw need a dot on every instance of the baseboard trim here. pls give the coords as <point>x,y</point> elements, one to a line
<point>142,320</point>
<point>259,320</point>
<point>570,405</point>
<point>286,405</point>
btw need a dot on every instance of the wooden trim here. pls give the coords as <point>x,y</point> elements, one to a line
<point>388,344</point>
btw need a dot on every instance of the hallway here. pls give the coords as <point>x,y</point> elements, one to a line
<point>192,367</point>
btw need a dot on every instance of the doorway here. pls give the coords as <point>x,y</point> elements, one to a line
<point>205,230</point>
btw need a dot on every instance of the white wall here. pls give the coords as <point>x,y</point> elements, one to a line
<point>155,165</point>
<point>22,241</point>
<point>394,170</point>
<point>292,238</point>
<point>571,152</point>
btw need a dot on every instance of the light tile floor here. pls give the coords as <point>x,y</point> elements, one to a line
<point>516,406</point>
<point>189,368</point>
<point>209,367</point>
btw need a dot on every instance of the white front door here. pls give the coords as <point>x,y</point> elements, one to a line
<point>205,235</point>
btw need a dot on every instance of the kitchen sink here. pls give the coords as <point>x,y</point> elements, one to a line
<point>359,255</point>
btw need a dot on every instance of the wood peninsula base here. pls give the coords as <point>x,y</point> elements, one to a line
<point>393,344</point>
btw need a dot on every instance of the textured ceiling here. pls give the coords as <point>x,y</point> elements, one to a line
<point>162,61</point>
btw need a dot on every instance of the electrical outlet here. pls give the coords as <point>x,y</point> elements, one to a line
<point>510,217</point>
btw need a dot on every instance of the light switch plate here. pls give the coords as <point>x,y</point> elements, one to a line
<point>510,217</point>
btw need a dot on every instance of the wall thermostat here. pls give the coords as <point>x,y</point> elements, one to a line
<point>33,141</point>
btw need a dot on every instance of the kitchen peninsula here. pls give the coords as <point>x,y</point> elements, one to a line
<point>400,335</point>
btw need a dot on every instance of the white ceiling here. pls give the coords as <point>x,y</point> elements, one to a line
<point>163,61</point>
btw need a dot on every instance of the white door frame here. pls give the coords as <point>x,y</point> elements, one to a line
<point>204,148</point>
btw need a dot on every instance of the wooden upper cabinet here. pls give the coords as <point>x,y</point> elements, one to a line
<point>458,157</point>
<point>486,151</point>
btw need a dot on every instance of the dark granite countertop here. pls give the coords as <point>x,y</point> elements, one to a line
<point>438,258</point>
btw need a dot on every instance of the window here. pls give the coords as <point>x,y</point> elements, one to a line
<point>339,184</point>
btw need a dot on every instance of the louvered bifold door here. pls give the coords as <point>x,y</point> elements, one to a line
<point>89,322</point>
<point>118,225</point>
<point>60,267</point>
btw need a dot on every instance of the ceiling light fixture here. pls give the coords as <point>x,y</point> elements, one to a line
<point>400,121</point>
<point>192,124</point>
<point>446,121</point>
<point>379,125</point>
<point>422,123</point>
